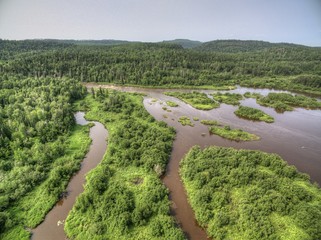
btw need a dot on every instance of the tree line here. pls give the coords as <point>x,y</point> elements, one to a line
<point>163,64</point>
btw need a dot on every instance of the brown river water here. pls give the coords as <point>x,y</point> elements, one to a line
<point>295,136</point>
<point>49,229</point>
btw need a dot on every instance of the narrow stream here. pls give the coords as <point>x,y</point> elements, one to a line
<point>52,228</point>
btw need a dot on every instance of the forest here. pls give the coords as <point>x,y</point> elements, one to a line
<point>39,150</point>
<point>285,66</point>
<point>246,194</point>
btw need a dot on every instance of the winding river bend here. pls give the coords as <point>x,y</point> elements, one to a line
<point>295,136</point>
<point>52,228</point>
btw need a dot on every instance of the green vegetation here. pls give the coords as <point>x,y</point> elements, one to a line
<point>124,197</point>
<point>301,83</point>
<point>286,102</point>
<point>233,134</point>
<point>195,99</point>
<point>166,109</point>
<point>185,43</point>
<point>210,122</point>
<point>196,119</point>
<point>252,95</point>
<point>40,148</point>
<point>253,114</point>
<point>213,64</point>
<point>172,104</point>
<point>245,195</point>
<point>228,98</point>
<point>185,121</point>
<point>243,46</point>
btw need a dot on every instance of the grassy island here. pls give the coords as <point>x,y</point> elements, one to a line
<point>228,98</point>
<point>171,104</point>
<point>252,95</point>
<point>210,122</point>
<point>253,114</point>
<point>195,99</point>
<point>233,134</point>
<point>185,121</point>
<point>282,102</point>
<point>250,195</point>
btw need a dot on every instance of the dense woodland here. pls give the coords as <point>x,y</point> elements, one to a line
<point>243,194</point>
<point>36,125</point>
<point>154,64</point>
<point>41,148</point>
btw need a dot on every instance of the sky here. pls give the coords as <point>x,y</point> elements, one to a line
<point>294,21</point>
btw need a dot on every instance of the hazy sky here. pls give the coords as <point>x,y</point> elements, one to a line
<point>296,21</point>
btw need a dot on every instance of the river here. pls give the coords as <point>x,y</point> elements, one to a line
<point>295,136</point>
<point>52,228</point>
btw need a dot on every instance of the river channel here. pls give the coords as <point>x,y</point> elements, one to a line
<point>295,136</point>
<point>52,228</point>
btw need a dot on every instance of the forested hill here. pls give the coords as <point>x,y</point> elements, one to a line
<point>236,46</point>
<point>285,66</point>
<point>103,42</point>
<point>11,48</point>
<point>185,43</point>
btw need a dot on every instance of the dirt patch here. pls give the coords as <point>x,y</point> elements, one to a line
<point>137,181</point>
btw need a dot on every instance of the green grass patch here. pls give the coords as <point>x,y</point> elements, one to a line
<point>228,98</point>
<point>172,104</point>
<point>195,99</point>
<point>185,121</point>
<point>233,134</point>
<point>210,122</point>
<point>252,95</point>
<point>250,195</point>
<point>287,228</point>
<point>253,114</point>
<point>196,119</point>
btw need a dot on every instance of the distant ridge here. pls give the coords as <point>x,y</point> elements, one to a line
<point>224,46</point>
<point>104,42</point>
<point>234,46</point>
<point>185,43</point>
